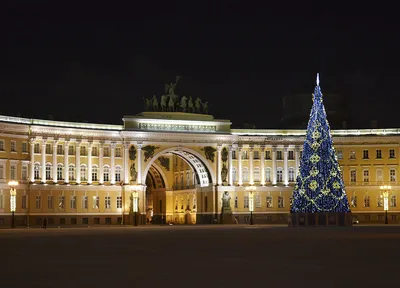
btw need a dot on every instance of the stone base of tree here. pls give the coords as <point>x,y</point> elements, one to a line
<point>320,219</point>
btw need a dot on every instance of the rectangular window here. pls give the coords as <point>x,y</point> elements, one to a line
<point>61,202</point>
<point>353,201</point>
<point>38,201</point>
<point>379,175</point>
<point>352,155</point>
<point>246,202</point>
<point>366,176</point>
<point>291,155</point>
<point>94,151</point>
<point>281,202</point>
<point>236,202</point>
<point>233,154</point>
<point>117,152</point>
<point>24,147</point>
<point>37,148</point>
<point>71,150</point>
<point>59,149</point>
<point>391,153</point>
<point>48,172</point>
<point>23,204</point>
<point>49,201</point>
<point>379,201</point>
<point>366,201</point>
<point>256,155</point>
<point>258,201</point>
<point>2,171</point>
<point>353,176</point>
<point>119,202</point>
<point>392,175</point>
<point>1,145</point>
<point>48,148</point>
<point>106,152</point>
<point>279,155</point>
<point>13,146</point>
<point>83,151</point>
<point>85,202</point>
<point>107,202</point>
<point>339,154</point>
<point>24,173</point>
<point>393,201</point>
<point>365,154</point>
<point>59,172</point>
<point>96,202</point>
<point>269,202</point>
<point>13,174</point>
<point>244,154</point>
<point>268,155</point>
<point>1,201</point>
<point>94,174</point>
<point>379,154</point>
<point>73,202</point>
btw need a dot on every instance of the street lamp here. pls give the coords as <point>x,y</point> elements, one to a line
<point>135,197</point>
<point>385,194</point>
<point>251,189</point>
<point>13,200</point>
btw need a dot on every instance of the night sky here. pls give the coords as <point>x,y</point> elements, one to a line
<point>96,62</point>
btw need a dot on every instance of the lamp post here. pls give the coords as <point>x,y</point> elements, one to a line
<point>13,200</point>
<point>135,205</point>
<point>385,194</point>
<point>251,189</point>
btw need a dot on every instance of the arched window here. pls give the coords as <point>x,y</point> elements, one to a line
<point>118,173</point>
<point>256,174</point>
<point>71,172</point>
<point>48,171</point>
<point>234,174</point>
<point>106,173</point>
<point>60,172</point>
<point>36,170</point>
<point>291,174</point>
<point>83,173</point>
<point>267,174</point>
<point>95,173</point>
<point>245,174</point>
<point>279,175</point>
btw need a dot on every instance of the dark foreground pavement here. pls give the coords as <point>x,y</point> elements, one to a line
<point>200,256</point>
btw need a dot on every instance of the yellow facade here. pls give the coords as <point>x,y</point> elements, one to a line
<point>178,165</point>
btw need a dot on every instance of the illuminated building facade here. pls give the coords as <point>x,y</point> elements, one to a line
<point>178,165</point>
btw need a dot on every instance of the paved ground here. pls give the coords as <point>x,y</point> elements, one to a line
<point>200,256</point>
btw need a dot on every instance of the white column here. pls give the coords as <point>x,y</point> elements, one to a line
<point>251,178</point>
<point>126,163</point>
<point>101,169</point>
<point>219,165</point>
<point>66,175</point>
<point>273,165</point>
<point>230,166</point>
<point>139,164</point>
<point>89,160</point>
<point>239,156</point>
<point>78,162</point>
<point>297,159</point>
<point>112,182</point>
<point>32,166</point>
<point>55,161</point>
<point>262,162</point>
<point>285,167</point>
<point>43,161</point>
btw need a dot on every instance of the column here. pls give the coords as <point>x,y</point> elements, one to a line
<point>126,163</point>
<point>139,164</point>
<point>112,170</point>
<point>297,160</point>
<point>285,167</point>
<point>66,178</point>
<point>89,160</point>
<point>219,165</point>
<point>101,169</point>
<point>251,178</point>
<point>230,166</point>
<point>55,161</point>
<point>32,164</point>
<point>78,161</point>
<point>239,156</point>
<point>273,165</point>
<point>43,161</point>
<point>262,162</point>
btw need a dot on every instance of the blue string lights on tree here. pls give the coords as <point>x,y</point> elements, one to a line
<point>319,185</point>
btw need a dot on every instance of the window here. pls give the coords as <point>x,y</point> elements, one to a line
<point>258,201</point>
<point>49,201</point>
<point>268,174</point>
<point>13,174</point>
<point>59,149</point>
<point>291,174</point>
<point>244,154</point>
<point>70,149</point>
<point>118,152</point>
<point>281,202</point>
<point>71,172</point>
<point>85,221</point>
<point>36,171</point>
<point>394,217</point>
<point>378,154</point>
<point>256,155</point>
<point>269,202</point>
<point>365,154</point>
<point>379,175</point>
<point>24,173</point>
<point>59,172</point>
<point>256,174</point>
<point>1,145</point>
<point>2,171</point>
<point>119,202</point>
<point>339,154</point>
<point>23,203</point>
<point>83,151</point>
<point>106,173</point>
<point>106,152</point>
<point>279,155</point>
<point>48,171</point>
<point>234,172</point>
<point>236,202</point>
<point>13,146</point>
<point>246,202</point>
<point>24,147</point>
<point>392,175</point>
<point>85,202</point>
<point>96,202</point>
<point>391,153</point>
<point>73,202</point>
<point>94,173</point>
<point>61,202</point>
<point>366,176</point>
<point>245,174</point>
<point>37,148</point>
<point>48,148</point>
<point>268,155</point>
<point>233,154</point>
<point>366,201</point>
<point>291,155</point>
<point>352,154</point>
<point>353,176</point>
<point>118,174</point>
<point>353,201</point>
<point>107,202</point>
<point>83,173</point>
<point>279,175</point>
<point>38,201</point>
<point>393,201</point>
<point>1,201</point>
<point>379,201</point>
<point>94,151</point>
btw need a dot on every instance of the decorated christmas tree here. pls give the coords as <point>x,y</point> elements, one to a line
<point>319,186</point>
